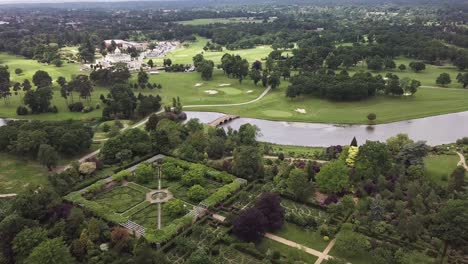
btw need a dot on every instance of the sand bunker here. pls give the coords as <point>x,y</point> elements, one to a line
<point>211,91</point>
<point>198,84</point>
<point>249,91</point>
<point>224,84</point>
<point>300,110</point>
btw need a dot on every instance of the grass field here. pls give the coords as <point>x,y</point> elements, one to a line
<point>426,102</point>
<point>295,151</point>
<point>274,106</point>
<point>439,167</point>
<point>427,77</point>
<point>289,254</point>
<point>300,235</point>
<point>184,55</point>
<point>207,21</point>
<point>16,174</point>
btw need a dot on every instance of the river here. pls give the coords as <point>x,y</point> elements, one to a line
<point>435,130</point>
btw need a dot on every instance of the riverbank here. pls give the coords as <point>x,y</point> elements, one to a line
<point>434,130</point>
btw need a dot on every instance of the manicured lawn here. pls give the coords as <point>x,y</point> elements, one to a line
<point>427,77</point>
<point>426,102</point>
<point>361,259</point>
<point>184,55</point>
<point>16,174</point>
<point>303,236</point>
<point>439,167</point>
<point>295,151</point>
<point>289,253</point>
<point>120,198</point>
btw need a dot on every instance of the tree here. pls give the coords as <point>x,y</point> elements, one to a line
<point>298,184</point>
<point>389,63</point>
<point>39,100</point>
<point>463,79</point>
<point>375,63</point>
<point>145,173</point>
<point>333,177</point>
<point>47,156</point>
<point>142,78</point>
<point>417,66</point>
<point>26,85</point>
<point>197,193</point>
<point>256,76</point>
<point>86,50</point>
<point>171,171</point>
<point>81,84</point>
<point>248,162</point>
<point>457,179</point>
<point>4,83</point>
<point>373,160</point>
<point>42,79</point>
<point>451,224</point>
<point>249,225</point>
<point>206,67</point>
<point>26,240</point>
<point>52,251</point>
<point>151,63</point>
<point>402,67</point>
<point>120,239</point>
<point>274,80</point>
<point>443,79</point>
<point>409,86</point>
<point>396,143</point>
<point>18,71</point>
<point>269,204</point>
<point>152,123</point>
<point>174,208</point>
<point>35,203</point>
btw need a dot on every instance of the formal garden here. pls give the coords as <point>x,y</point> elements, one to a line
<point>155,205</point>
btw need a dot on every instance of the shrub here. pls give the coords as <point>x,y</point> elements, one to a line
<point>222,193</point>
<point>87,109</point>
<point>87,168</point>
<point>22,110</point>
<point>171,171</point>
<point>192,177</point>
<point>197,193</point>
<point>76,107</point>
<point>121,175</point>
<point>174,208</point>
<point>53,109</point>
<point>326,238</point>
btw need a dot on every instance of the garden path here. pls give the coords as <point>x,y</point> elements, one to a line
<point>462,161</point>
<point>442,88</point>
<point>321,255</point>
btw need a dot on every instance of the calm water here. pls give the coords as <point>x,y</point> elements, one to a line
<point>435,130</point>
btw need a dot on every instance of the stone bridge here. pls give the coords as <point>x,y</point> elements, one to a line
<point>222,120</point>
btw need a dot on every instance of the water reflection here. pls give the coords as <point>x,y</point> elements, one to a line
<point>435,130</point>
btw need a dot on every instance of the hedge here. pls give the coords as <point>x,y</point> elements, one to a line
<point>169,231</point>
<point>103,212</point>
<point>121,175</point>
<point>138,187</point>
<point>222,193</point>
<point>136,209</point>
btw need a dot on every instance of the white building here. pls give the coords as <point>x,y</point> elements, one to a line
<point>118,57</point>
